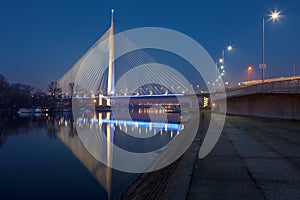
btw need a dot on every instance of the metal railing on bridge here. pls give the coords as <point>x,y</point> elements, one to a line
<point>291,86</point>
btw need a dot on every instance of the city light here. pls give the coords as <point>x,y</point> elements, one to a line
<point>275,15</point>
<point>222,59</point>
<point>229,48</point>
<point>250,68</point>
<point>205,102</point>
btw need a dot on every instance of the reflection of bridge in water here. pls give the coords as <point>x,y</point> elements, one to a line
<point>115,130</point>
<point>99,171</point>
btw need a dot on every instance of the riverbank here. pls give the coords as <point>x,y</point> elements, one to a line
<point>255,158</point>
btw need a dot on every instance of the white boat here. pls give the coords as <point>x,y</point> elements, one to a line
<point>29,110</point>
<point>37,110</point>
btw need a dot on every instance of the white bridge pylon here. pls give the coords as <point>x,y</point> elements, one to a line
<point>111,70</point>
<point>94,75</point>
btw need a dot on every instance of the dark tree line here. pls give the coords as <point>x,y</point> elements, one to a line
<point>16,95</point>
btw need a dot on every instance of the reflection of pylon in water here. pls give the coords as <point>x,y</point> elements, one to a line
<point>109,139</point>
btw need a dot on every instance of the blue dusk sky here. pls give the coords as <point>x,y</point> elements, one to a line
<point>41,39</point>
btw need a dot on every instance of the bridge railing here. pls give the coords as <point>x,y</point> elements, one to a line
<point>286,86</point>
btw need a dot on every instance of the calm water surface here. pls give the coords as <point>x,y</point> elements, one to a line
<point>42,157</point>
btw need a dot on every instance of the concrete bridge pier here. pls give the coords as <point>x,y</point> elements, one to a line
<point>284,106</point>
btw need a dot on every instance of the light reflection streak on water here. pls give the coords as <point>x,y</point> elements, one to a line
<point>109,149</point>
<point>151,125</point>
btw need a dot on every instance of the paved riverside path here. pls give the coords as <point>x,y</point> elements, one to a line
<point>254,158</point>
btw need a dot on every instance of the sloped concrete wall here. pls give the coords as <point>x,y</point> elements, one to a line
<point>284,106</point>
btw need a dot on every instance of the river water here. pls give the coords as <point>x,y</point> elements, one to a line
<point>42,156</point>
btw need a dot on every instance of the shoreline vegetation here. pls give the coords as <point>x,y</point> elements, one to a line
<point>14,96</point>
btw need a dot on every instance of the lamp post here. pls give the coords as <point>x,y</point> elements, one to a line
<point>222,60</point>
<point>249,70</point>
<point>274,16</point>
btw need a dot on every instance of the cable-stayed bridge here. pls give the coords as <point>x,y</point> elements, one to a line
<point>136,75</point>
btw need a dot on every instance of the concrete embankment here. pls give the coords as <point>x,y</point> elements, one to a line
<point>255,158</point>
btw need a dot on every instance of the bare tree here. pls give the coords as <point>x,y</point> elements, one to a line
<point>40,98</point>
<point>71,88</point>
<point>54,89</point>
<point>3,86</point>
<point>17,95</point>
<point>54,92</point>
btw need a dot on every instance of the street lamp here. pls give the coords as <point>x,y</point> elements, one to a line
<point>274,16</point>
<point>250,68</point>
<point>229,48</point>
<point>222,60</point>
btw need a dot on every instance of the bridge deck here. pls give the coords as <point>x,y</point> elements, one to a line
<point>291,86</point>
